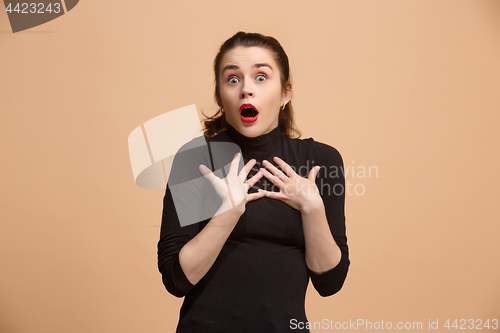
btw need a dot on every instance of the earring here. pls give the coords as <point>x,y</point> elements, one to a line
<point>283,106</point>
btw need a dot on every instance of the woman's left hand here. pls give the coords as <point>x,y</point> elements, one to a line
<point>296,191</point>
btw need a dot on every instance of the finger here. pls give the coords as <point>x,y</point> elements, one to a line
<point>255,196</point>
<point>233,168</point>
<point>274,179</point>
<point>246,169</point>
<point>285,167</point>
<point>256,178</point>
<point>207,173</point>
<point>274,170</point>
<point>313,173</point>
<point>271,194</point>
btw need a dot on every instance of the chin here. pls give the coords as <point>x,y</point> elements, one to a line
<point>251,131</point>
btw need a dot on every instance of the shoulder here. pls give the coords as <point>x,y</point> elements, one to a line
<point>191,150</point>
<point>184,163</point>
<point>199,141</point>
<point>219,137</point>
<point>321,153</point>
<point>328,153</point>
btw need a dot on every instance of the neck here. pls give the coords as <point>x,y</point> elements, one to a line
<point>259,146</point>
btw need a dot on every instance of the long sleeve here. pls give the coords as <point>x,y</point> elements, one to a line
<point>172,238</point>
<point>331,184</point>
<point>184,212</point>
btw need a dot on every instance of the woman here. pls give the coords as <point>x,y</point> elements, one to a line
<point>246,267</point>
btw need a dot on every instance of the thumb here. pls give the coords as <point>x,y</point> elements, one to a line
<point>313,173</point>
<point>206,172</point>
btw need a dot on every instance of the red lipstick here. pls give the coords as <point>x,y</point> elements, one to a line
<point>248,113</point>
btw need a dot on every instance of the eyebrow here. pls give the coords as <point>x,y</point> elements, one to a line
<point>254,65</point>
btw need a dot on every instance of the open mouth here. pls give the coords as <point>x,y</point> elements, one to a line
<point>248,113</point>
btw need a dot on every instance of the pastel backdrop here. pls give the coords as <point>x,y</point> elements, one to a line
<point>409,88</point>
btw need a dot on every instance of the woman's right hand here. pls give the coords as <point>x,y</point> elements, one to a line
<point>233,190</point>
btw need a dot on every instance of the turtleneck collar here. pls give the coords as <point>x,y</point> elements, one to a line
<point>262,145</point>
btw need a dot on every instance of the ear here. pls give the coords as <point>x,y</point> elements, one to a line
<point>287,93</point>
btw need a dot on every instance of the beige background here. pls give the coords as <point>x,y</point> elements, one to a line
<point>410,87</point>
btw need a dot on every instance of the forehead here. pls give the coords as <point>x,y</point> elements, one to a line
<point>245,57</point>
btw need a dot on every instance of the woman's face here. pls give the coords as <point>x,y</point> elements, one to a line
<point>250,75</point>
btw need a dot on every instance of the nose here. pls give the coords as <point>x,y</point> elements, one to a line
<point>246,90</point>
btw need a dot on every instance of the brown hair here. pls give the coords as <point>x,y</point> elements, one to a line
<point>217,123</point>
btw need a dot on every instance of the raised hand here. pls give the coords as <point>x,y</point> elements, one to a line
<point>233,190</point>
<point>296,191</point>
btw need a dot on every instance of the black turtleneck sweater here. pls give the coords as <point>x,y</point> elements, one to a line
<point>259,280</point>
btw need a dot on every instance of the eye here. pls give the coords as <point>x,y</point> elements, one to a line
<point>262,76</point>
<point>232,80</point>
